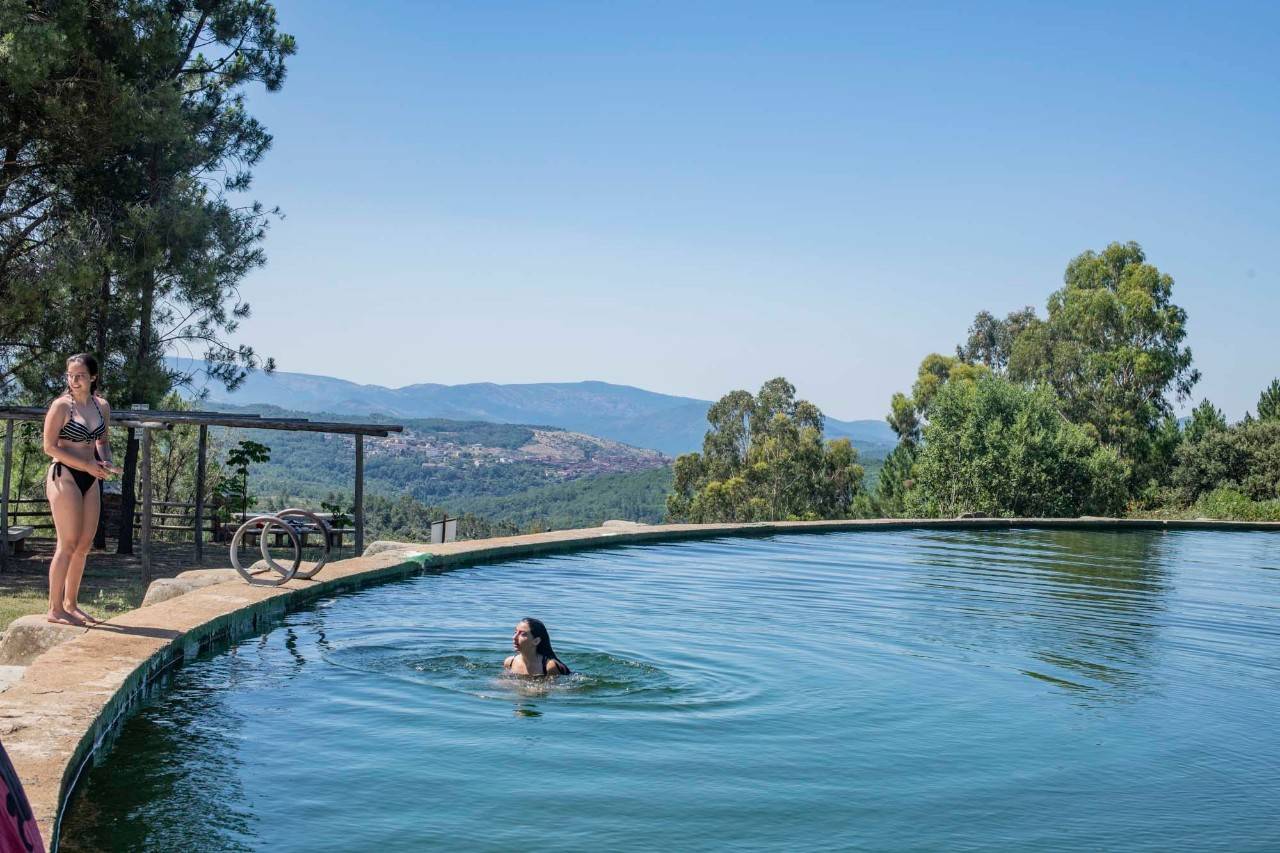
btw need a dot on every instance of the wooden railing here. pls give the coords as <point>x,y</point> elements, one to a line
<point>168,516</point>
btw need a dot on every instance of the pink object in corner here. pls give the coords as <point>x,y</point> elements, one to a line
<point>18,831</point>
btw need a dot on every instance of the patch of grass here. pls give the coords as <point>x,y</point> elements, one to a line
<point>99,602</point>
<point>21,603</point>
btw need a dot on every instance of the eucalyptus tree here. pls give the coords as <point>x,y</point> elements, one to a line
<point>764,458</point>
<point>1111,349</point>
<point>990,340</point>
<point>909,414</point>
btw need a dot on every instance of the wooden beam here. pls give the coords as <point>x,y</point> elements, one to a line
<point>201,452</point>
<point>145,464</point>
<point>359,498</point>
<point>10,426</point>
<point>131,418</point>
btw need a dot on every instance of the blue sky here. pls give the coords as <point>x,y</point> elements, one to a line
<point>695,197</point>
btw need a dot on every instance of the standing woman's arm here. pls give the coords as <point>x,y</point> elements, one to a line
<point>57,417</point>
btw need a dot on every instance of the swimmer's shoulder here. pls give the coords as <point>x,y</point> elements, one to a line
<point>555,667</point>
<point>506,664</point>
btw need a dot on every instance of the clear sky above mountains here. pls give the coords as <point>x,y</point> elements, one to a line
<point>695,197</point>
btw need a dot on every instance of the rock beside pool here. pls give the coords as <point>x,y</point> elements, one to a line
<point>164,589</point>
<point>382,546</point>
<point>28,637</point>
<point>622,524</point>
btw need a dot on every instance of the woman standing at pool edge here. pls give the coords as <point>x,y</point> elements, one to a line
<point>534,655</point>
<point>75,437</point>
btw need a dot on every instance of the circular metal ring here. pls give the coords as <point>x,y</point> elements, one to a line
<point>323,527</point>
<point>294,539</point>
<point>265,522</point>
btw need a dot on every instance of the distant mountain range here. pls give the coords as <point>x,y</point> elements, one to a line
<point>663,422</point>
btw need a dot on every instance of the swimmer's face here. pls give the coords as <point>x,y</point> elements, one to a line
<point>523,639</point>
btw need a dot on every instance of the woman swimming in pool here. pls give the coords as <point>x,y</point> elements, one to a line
<point>534,655</point>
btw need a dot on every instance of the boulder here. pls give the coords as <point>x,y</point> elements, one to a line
<point>382,545</point>
<point>28,637</point>
<point>163,589</point>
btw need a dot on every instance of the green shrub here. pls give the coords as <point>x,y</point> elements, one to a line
<point>1230,504</point>
<point>1244,457</point>
<point>1003,449</point>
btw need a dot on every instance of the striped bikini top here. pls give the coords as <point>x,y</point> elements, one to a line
<point>73,430</point>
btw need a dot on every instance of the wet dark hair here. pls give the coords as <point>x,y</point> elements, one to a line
<point>539,632</point>
<point>90,364</point>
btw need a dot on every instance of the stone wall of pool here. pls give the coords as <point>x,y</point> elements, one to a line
<point>70,698</point>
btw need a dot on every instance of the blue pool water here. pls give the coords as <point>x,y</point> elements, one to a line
<point>900,691</point>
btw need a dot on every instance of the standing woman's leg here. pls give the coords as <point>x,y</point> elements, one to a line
<point>66,504</point>
<point>91,507</point>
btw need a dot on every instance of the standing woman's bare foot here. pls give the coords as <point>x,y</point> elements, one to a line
<point>84,616</point>
<point>61,617</point>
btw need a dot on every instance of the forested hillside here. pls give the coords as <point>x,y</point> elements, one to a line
<point>509,476</point>
<point>579,503</point>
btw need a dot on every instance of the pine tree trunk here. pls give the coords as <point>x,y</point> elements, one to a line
<point>137,394</point>
<point>128,500</point>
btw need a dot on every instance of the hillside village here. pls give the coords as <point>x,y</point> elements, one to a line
<point>563,455</point>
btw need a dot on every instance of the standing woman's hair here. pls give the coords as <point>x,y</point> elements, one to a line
<point>90,364</point>
<point>544,641</point>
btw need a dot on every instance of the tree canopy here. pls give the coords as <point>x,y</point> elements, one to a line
<point>1269,402</point>
<point>127,148</point>
<point>1244,457</point>
<point>1111,348</point>
<point>908,415</point>
<point>1109,359</point>
<point>764,459</point>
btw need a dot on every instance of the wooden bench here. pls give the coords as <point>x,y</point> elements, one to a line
<point>280,539</point>
<point>18,538</point>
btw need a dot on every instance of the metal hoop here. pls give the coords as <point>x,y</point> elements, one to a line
<point>325,530</point>
<point>295,540</point>
<point>265,522</point>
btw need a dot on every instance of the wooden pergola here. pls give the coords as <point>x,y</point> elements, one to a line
<point>149,420</point>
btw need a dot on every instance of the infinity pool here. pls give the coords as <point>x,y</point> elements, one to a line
<point>895,691</point>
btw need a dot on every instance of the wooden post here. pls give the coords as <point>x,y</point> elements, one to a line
<point>146,505</point>
<point>202,450</point>
<point>359,500</point>
<point>4,495</point>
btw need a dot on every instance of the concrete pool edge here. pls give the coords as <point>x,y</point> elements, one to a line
<point>72,697</point>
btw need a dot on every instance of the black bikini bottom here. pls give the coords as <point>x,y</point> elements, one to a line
<point>83,479</point>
